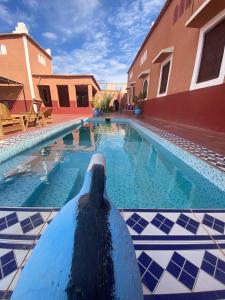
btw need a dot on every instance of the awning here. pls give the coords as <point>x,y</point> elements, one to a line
<point>6,81</point>
<point>132,84</point>
<point>208,10</point>
<point>144,74</point>
<point>163,54</point>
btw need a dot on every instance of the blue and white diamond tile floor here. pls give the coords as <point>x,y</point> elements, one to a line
<point>180,253</point>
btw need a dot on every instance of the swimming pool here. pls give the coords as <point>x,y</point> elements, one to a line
<point>140,172</point>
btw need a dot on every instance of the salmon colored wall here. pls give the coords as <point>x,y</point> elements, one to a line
<point>204,108</point>
<point>165,35</point>
<point>52,82</point>
<point>13,65</point>
<point>36,67</point>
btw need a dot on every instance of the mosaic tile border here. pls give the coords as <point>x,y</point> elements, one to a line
<point>185,264</point>
<point>12,146</point>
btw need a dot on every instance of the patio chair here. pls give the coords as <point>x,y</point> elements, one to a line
<point>35,115</point>
<point>10,123</point>
<point>47,113</point>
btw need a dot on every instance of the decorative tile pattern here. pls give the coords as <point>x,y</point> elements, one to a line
<point>8,264</point>
<point>162,223</point>
<point>137,223</point>
<point>214,266</point>
<point>32,222</point>
<point>188,223</point>
<point>213,158</point>
<point>183,270</point>
<point>150,270</point>
<point>8,221</point>
<point>213,223</point>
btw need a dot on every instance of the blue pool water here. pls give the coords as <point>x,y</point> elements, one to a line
<point>139,174</point>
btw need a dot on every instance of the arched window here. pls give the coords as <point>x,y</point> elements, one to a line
<point>3,50</point>
<point>145,89</point>
<point>175,14</point>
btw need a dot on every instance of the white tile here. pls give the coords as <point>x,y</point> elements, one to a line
<point>170,285</point>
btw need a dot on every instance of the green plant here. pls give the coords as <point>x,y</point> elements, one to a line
<point>105,102</point>
<point>95,103</point>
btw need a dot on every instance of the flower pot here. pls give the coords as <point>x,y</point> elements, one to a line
<point>96,112</point>
<point>137,111</point>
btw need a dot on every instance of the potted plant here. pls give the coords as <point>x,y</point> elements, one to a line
<point>137,105</point>
<point>96,107</point>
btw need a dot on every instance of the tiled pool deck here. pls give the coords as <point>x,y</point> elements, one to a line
<point>181,253</point>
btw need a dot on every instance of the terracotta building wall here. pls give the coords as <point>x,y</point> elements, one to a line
<point>52,82</point>
<point>165,35</point>
<point>36,66</point>
<point>13,64</point>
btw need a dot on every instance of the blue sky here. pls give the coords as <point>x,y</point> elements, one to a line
<point>99,37</point>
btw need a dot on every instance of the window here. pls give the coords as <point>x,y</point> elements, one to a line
<point>45,95</point>
<point>144,57</point>
<point>41,60</point>
<point>63,94</point>
<point>164,77</point>
<point>145,89</point>
<point>82,95</point>
<point>212,53</point>
<point>3,50</point>
<point>209,67</point>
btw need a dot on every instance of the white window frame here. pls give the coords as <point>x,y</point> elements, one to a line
<point>170,58</point>
<point>145,79</point>
<point>3,49</point>
<point>219,80</point>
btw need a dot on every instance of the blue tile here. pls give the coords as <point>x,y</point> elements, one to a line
<point>220,276</point>
<point>210,258</point>
<point>168,222</point>
<point>156,269</point>
<point>183,217</point>
<point>3,226</point>
<point>159,217</point>
<point>208,268</point>
<point>135,217</point>
<point>221,265</point>
<point>2,220</point>
<point>149,281</point>
<point>25,222</point>
<point>12,222</point>
<point>165,228</point>
<point>9,268</point>
<point>181,223</point>
<point>218,228</point>
<point>11,216</point>
<point>187,280</point>
<point>7,258</point>
<point>156,222</point>
<point>173,269</point>
<point>138,228</point>
<point>190,268</point>
<point>192,229</point>
<point>208,217</point>
<point>35,217</point>
<point>27,228</point>
<point>143,222</point>
<point>219,223</point>
<point>207,223</point>
<point>37,222</point>
<point>130,222</point>
<point>193,223</point>
<point>144,259</point>
<point>1,274</point>
<point>141,268</point>
<point>178,259</point>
